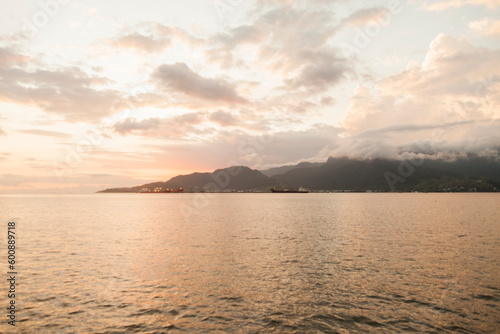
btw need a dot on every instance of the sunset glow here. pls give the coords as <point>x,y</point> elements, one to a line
<point>96,94</point>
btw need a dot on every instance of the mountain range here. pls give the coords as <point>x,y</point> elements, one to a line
<point>344,174</point>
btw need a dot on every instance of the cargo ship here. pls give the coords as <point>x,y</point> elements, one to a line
<point>159,190</point>
<point>300,190</point>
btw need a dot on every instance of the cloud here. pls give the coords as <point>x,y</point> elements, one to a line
<point>78,183</point>
<point>238,35</point>
<point>180,78</point>
<point>294,36</point>
<point>288,146</point>
<point>445,141</point>
<point>129,125</point>
<point>283,38</point>
<point>237,140</point>
<point>261,3</point>
<point>374,132</point>
<point>181,126</point>
<point>199,123</point>
<point>223,118</point>
<point>287,41</point>
<point>297,48</point>
<point>312,144</point>
<point>5,155</point>
<point>67,91</point>
<point>151,37</point>
<point>446,99</point>
<point>280,69</point>
<point>486,26</point>
<point>222,46</point>
<point>326,71</point>
<point>365,15</point>
<point>444,5</point>
<point>38,132</point>
<point>9,58</point>
<point>12,180</point>
<point>230,148</point>
<point>141,42</point>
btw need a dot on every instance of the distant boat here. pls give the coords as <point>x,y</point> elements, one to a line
<point>300,190</point>
<point>159,190</point>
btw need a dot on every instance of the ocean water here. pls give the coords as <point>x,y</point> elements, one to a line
<point>254,263</point>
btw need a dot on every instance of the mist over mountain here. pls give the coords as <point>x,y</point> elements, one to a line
<point>341,174</point>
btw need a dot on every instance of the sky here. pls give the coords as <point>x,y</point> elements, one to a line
<point>101,94</point>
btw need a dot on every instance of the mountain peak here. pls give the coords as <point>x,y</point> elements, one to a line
<point>343,173</point>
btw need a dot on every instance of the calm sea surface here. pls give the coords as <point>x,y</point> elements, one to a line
<point>254,263</point>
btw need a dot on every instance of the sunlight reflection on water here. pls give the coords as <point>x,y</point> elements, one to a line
<point>257,263</point>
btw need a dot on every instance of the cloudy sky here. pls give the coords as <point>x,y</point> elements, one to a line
<point>97,94</point>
